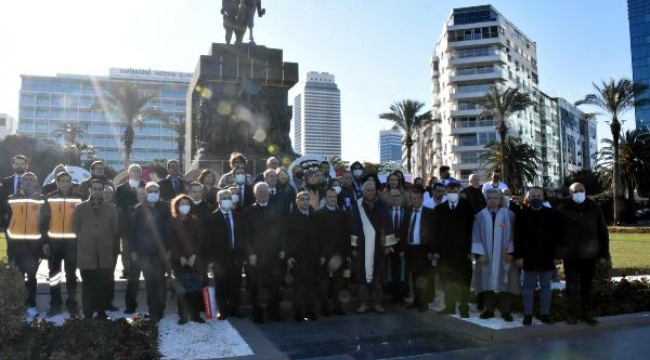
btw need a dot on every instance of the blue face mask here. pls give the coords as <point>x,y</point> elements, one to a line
<point>536,203</point>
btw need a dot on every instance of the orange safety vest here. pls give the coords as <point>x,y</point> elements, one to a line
<point>61,210</point>
<point>26,214</point>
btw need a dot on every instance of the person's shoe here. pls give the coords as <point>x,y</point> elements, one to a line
<point>312,316</point>
<point>299,317</point>
<point>528,320</point>
<point>154,318</point>
<point>275,318</point>
<point>378,309</point>
<point>339,311</point>
<point>258,319</point>
<point>487,314</point>
<point>446,311</point>
<point>129,310</point>
<point>125,275</point>
<point>327,312</point>
<point>222,316</point>
<point>101,315</point>
<point>571,320</point>
<point>400,302</point>
<point>112,307</point>
<point>362,309</point>
<point>589,320</point>
<point>54,310</point>
<point>31,312</point>
<point>182,321</point>
<point>73,310</point>
<point>413,305</point>
<point>507,317</point>
<point>546,319</point>
<point>198,319</point>
<point>464,314</point>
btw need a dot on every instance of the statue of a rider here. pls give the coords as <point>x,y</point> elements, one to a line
<point>239,15</point>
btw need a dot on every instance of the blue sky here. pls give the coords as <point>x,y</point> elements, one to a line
<point>377,49</point>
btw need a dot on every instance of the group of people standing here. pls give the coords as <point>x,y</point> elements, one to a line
<point>302,229</point>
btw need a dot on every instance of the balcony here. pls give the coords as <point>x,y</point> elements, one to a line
<point>478,58</point>
<point>495,74</point>
<point>466,112</point>
<point>478,42</point>
<point>468,147</point>
<point>477,94</point>
<point>471,130</point>
<point>466,166</point>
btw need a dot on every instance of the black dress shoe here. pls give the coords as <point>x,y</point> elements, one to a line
<point>312,316</point>
<point>464,314</point>
<point>111,307</point>
<point>589,320</point>
<point>130,311</point>
<point>327,312</point>
<point>299,317</point>
<point>487,314</point>
<point>198,319</point>
<point>413,305</point>
<point>528,320</point>
<point>546,319</point>
<point>339,311</point>
<point>275,318</point>
<point>571,320</point>
<point>507,317</point>
<point>182,321</point>
<point>236,313</point>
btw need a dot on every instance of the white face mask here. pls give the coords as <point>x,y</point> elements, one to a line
<point>452,198</point>
<point>337,189</point>
<point>235,198</point>
<point>357,173</point>
<point>240,178</point>
<point>134,183</point>
<point>153,197</point>
<point>184,209</point>
<point>226,205</point>
<point>197,202</point>
<point>579,197</point>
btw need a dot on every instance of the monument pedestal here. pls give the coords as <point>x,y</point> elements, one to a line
<point>237,101</point>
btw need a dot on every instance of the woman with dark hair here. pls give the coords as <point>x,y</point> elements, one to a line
<point>208,179</point>
<point>394,181</point>
<point>237,160</point>
<point>183,233</point>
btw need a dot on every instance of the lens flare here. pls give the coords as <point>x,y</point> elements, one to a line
<point>224,108</point>
<point>260,135</point>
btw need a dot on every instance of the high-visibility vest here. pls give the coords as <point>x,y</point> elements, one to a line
<point>61,210</point>
<point>26,214</point>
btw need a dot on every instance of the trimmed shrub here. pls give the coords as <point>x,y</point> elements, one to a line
<point>83,339</point>
<point>629,229</point>
<point>12,302</point>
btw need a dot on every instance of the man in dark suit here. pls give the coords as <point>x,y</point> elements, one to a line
<point>303,251</point>
<point>201,208</point>
<point>173,184</point>
<point>332,225</point>
<point>265,233</point>
<point>474,194</point>
<point>245,191</point>
<point>225,251</point>
<point>280,197</point>
<point>452,229</point>
<point>418,249</point>
<point>396,262</point>
<point>126,197</point>
<point>11,184</point>
<point>97,169</point>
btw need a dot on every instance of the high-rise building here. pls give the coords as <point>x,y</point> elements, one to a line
<point>639,17</point>
<point>479,49</point>
<point>7,125</point>
<point>390,145</point>
<point>317,115</point>
<point>47,103</point>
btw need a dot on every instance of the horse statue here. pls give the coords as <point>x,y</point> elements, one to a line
<point>238,15</point>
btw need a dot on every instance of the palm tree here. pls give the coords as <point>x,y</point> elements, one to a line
<point>500,106</point>
<point>179,128</point>
<point>70,132</point>
<point>520,159</point>
<point>406,116</point>
<point>634,161</point>
<point>616,98</point>
<point>128,102</point>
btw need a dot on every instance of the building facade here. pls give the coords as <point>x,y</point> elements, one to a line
<point>479,49</point>
<point>48,103</point>
<point>639,17</point>
<point>7,125</point>
<point>317,115</point>
<point>390,145</point>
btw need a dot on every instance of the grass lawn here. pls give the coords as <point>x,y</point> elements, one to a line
<point>3,246</point>
<point>630,253</point>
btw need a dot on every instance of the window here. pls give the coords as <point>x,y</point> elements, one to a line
<point>469,157</point>
<point>467,140</point>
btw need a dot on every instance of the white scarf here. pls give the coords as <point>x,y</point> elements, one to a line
<point>369,234</point>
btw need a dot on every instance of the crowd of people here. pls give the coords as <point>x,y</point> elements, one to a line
<point>302,229</point>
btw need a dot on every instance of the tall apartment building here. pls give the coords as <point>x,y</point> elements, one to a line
<point>478,49</point>
<point>390,145</point>
<point>639,17</point>
<point>48,102</point>
<point>317,115</point>
<point>7,125</point>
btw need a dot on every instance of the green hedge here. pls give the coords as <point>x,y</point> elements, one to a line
<point>629,229</point>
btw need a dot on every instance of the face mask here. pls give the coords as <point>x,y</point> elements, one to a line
<point>184,209</point>
<point>226,205</point>
<point>337,189</point>
<point>357,173</point>
<point>240,178</point>
<point>197,202</point>
<point>134,183</point>
<point>579,197</point>
<point>452,198</point>
<point>235,198</point>
<point>153,197</point>
<point>536,203</point>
